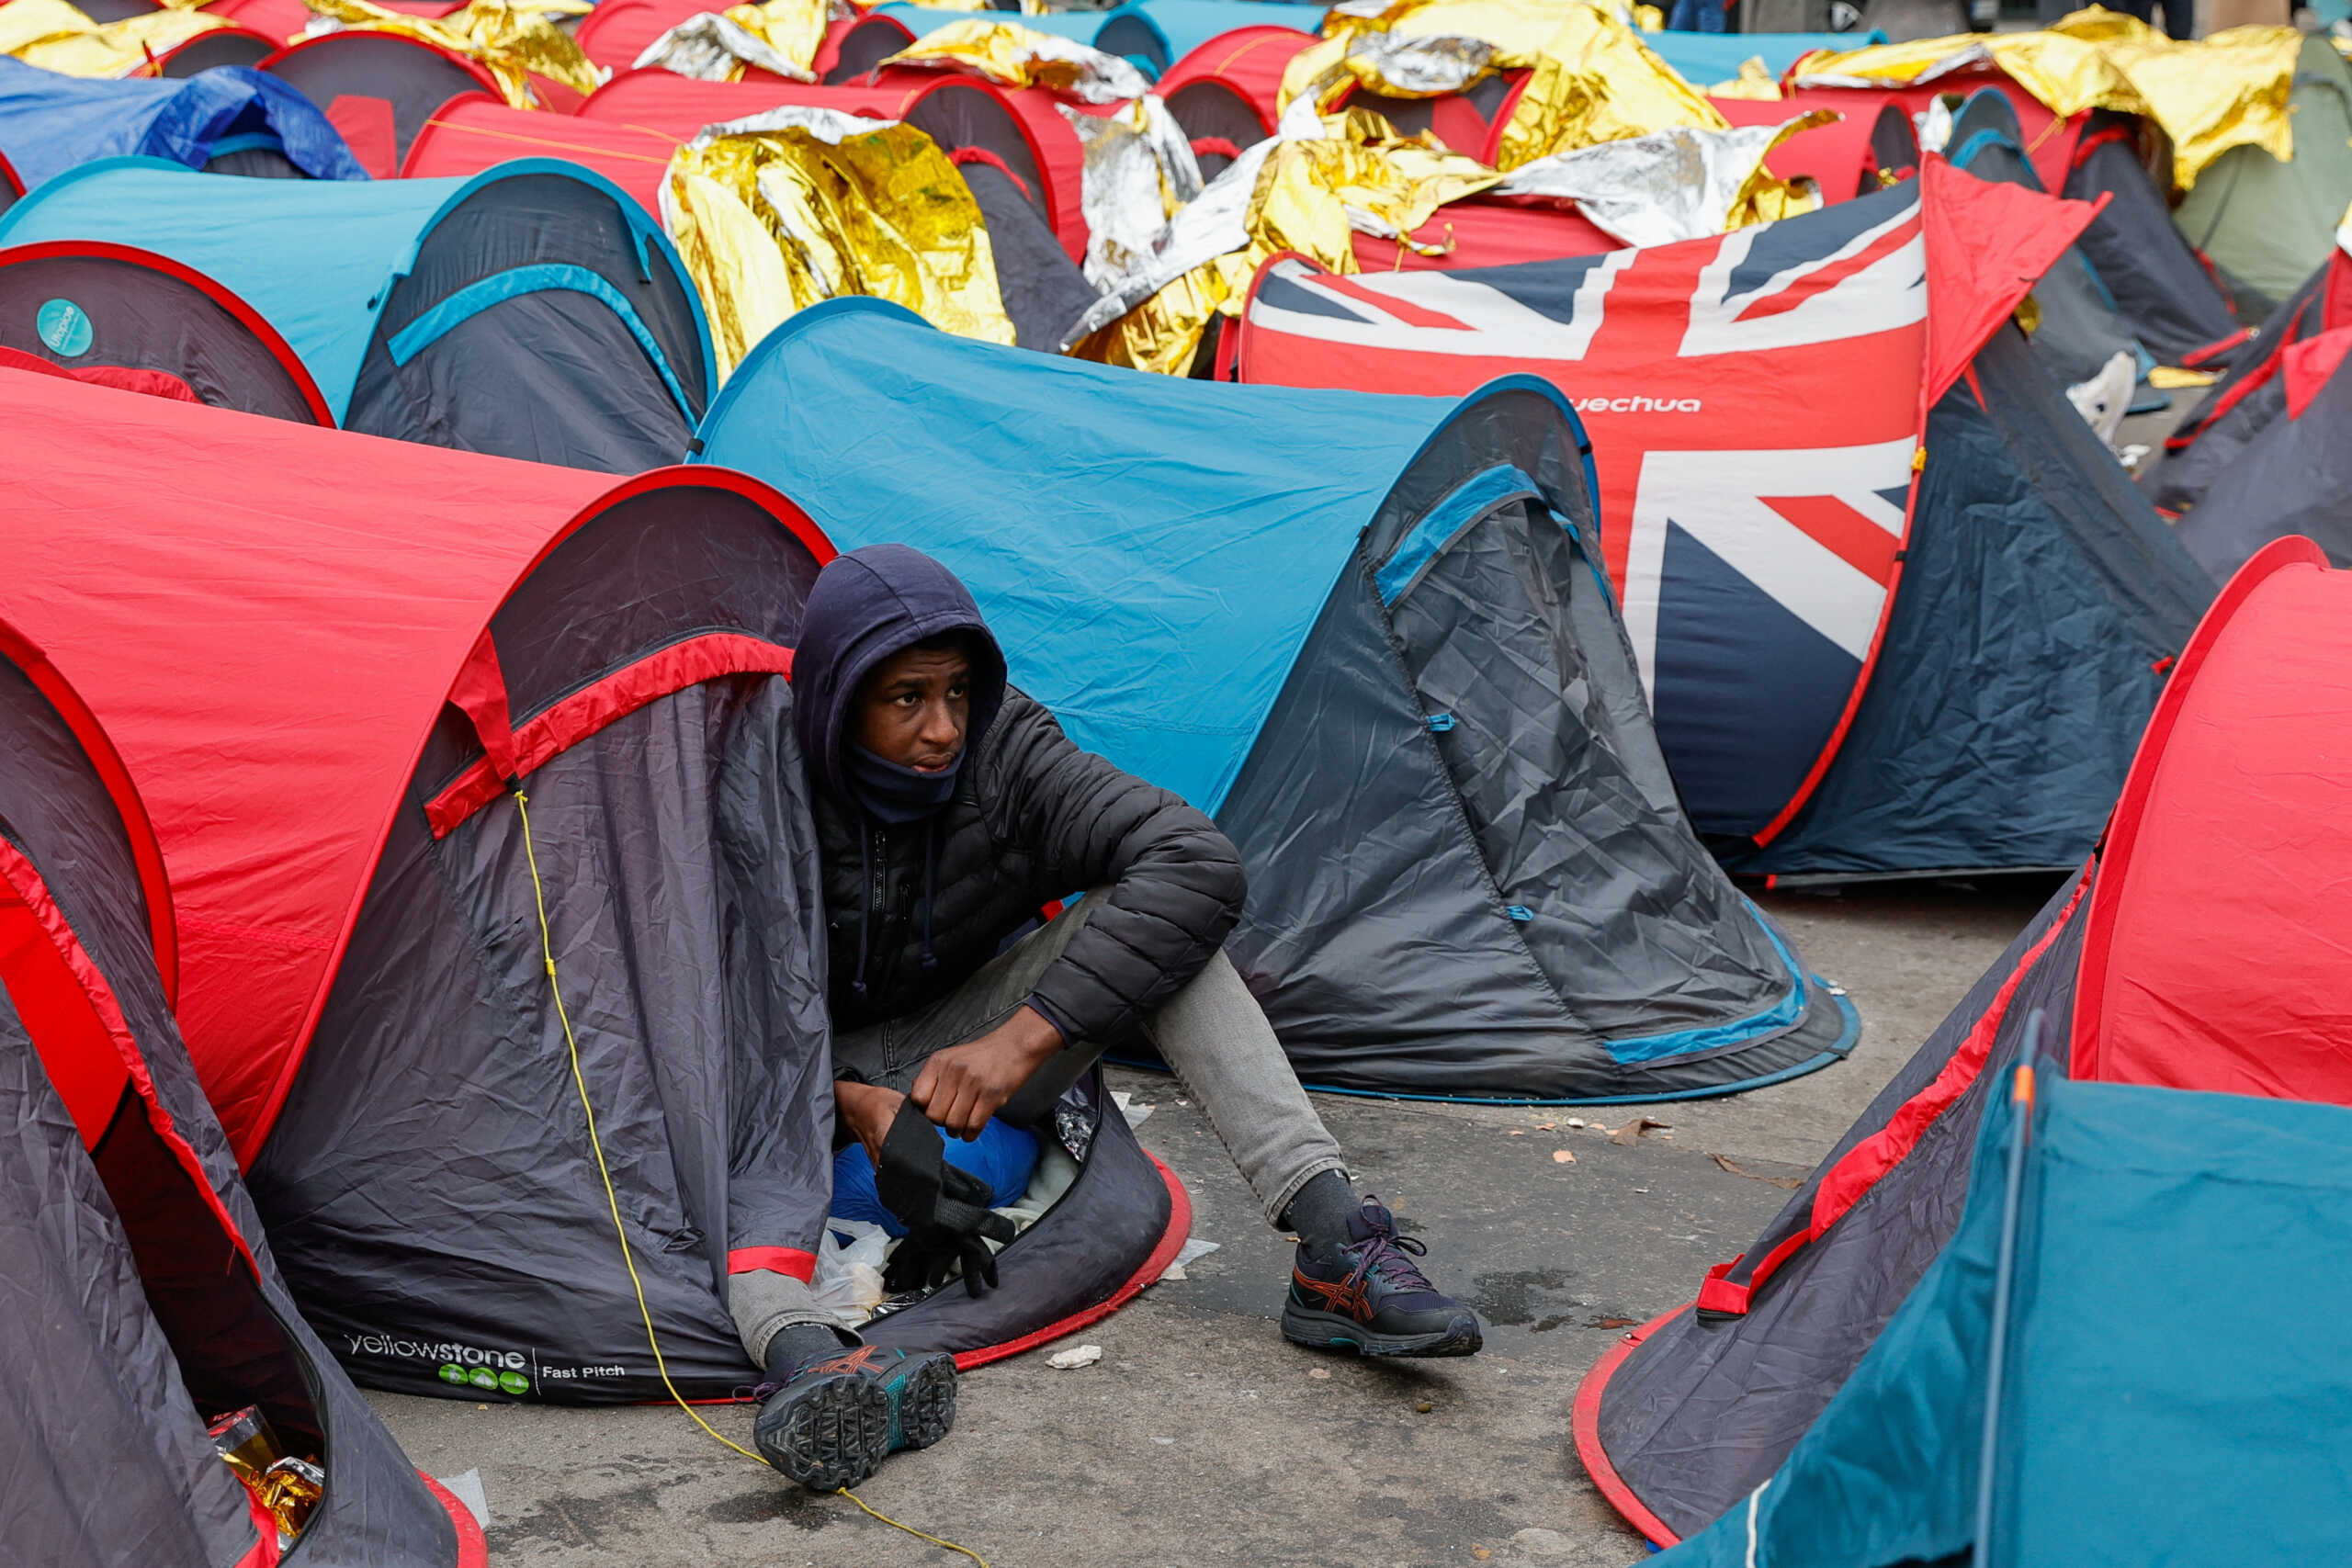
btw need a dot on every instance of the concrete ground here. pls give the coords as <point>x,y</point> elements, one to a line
<point>1200,1437</point>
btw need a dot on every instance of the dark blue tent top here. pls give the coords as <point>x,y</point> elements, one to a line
<point>318,260</point>
<point>1152,551</point>
<point>2137,1321</point>
<point>48,123</point>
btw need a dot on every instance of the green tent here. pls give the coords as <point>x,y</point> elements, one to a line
<point>2266,225</point>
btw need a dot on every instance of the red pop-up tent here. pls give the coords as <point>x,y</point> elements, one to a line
<point>1800,428</point>
<point>325,659</point>
<point>2201,948</point>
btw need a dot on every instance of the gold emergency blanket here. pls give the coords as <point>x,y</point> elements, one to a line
<point>513,39</point>
<point>779,36</point>
<point>1755,83</point>
<point>1013,56</point>
<point>1590,77</point>
<point>2227,90</point>
<point>58,37</point>
<point>777,212</point>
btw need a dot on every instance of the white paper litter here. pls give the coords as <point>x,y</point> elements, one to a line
<point>1070,1360</point>
<point>1137,1111</point>
<point>467,1489</point>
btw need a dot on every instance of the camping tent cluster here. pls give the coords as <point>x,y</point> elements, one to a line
<point>1876,1279</point>
<point>1530,479</point>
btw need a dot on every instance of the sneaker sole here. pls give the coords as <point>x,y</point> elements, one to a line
<point>1329,1331</point>
<point>834,1434</point>
<point>927,1402</point>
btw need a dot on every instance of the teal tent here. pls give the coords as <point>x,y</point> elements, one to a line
<point>2131,1352</point>
<point>533,310</point>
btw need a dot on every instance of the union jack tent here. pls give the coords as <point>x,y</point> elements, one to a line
<point>1896,608</point>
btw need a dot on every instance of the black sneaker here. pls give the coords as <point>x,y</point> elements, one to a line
<point>1372,1299</point>
<point>838,1417</point>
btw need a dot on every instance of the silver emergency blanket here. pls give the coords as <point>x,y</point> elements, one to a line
<point>1139,171</point>
<point>712,48</point>
<point>1211,225</point>
<point>1422,67</point>
<point>1671,185</point>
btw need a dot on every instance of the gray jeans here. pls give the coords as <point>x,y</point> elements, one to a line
<point>1212,1033</point>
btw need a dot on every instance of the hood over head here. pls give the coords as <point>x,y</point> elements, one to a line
<point>867,605</point>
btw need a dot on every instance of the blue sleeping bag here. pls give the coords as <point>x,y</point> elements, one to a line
<point>1002,1157</point>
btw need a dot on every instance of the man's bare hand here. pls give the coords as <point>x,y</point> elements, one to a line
<point>965,1085</point>
<point>867,1112</point>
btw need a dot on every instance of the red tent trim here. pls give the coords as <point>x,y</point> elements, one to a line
<point>20,876</point>
<point>567,723</point>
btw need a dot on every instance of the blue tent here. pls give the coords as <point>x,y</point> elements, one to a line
<point>2131,1352</point>
<point>230,118</point>
<point>1709,58</point>
<point>1364,633</point>
<point>533,310</point>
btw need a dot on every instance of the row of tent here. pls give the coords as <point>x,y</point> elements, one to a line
<point>269,951</point>
<point>2059,1294</point>
<point>459,309</point>
<point>276,920</point>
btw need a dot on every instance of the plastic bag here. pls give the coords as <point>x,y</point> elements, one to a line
<point>848,1279</point>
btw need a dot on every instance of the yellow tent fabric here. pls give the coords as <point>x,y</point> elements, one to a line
<point>57,36</point>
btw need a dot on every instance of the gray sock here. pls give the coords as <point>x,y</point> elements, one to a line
<point>1320,1213</point>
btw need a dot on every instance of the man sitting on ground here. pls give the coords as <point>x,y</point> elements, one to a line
<point>949,808</point>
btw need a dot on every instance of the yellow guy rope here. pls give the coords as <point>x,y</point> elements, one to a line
<point>612,1198</point>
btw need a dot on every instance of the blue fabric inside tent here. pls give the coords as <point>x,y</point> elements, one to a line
<point>317,260</point>
<point>50,123</point>
<point>1151,550</point>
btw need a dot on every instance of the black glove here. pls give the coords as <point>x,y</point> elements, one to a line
<point>945,1210</point>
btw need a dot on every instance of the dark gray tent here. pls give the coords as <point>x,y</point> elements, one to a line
<point>2262,455</point>
<point>412,77</point>
<point>143,1302</point>
<point>2291,472</point>
<point>1371,638</point>
<point>2160,288</point>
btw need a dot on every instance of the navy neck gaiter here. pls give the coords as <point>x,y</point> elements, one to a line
<point>893,793</point>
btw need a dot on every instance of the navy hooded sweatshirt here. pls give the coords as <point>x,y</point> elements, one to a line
<point>914,909</point>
